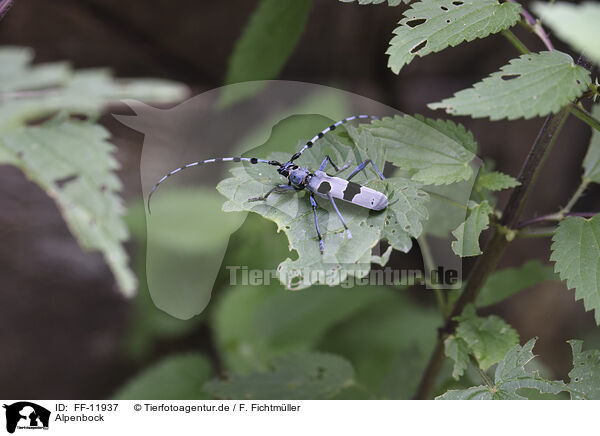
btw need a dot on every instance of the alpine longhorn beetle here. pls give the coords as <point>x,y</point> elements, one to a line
<point>317,183</point>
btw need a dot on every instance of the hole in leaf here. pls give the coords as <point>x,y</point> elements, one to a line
<point>510,76</point>
<point>418,47</point>
<point>457,3</point>
<point>415,22</point>
<point>578,81</point>
<point>448,21</point>
<point>444,8</point>
<point>62,182</point>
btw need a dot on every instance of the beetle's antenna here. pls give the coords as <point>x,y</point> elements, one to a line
<point>252,160</point>
<point>328,129</point>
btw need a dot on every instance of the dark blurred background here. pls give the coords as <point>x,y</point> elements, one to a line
<point>62,323</point>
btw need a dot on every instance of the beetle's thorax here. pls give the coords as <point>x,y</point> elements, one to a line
<point>299,177</point>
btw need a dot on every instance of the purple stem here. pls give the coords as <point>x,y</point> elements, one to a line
<point>4,7</point>
<point>554,217</point>
<point>536,27</point>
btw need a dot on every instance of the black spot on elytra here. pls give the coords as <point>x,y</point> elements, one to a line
<point>351,191</point>
<point>324,188</point>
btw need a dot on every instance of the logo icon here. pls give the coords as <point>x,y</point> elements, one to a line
<point>26,415</point>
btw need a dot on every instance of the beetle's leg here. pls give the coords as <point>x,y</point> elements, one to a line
<point>362,167</point>
<point>337,170</point>
<point>280,189</point>
<point>340,216</point>
<point>313,204</point>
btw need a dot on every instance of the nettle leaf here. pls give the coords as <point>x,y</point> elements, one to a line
<point>585,375</point>
<point>591,163</point>
<point>64,90</point>
<point>308,376</point>
<point>576,253</point>
<point>467,234</point>
<point>487,339</point>
<point>433,157</point>
<point>510,376</point>
<point>254,324</point>
<point>504,283</point>
<point>17,74</point>
<point>267,42</point>
<point>388,342</point>
<point>458,350</point>
<point>575,24</point>
<point>179,377</point>
<point>292,213</point>
<point>72,161</point>
<point>454,130</point>
<point>405,214</point>
<point>531,85</point>
<point>495,181</point>
<point>377,2</point>
<point>429,26</point>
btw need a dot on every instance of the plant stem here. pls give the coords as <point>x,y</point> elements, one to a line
<point>554,217</point>
<point>488,261</point>
<point>536,27</point>
<point>428,267</point>
<point>5,6</point>
<point>584,116</point>
<point>542,232</point>
<point>580,190</point>
<point>516,42</point>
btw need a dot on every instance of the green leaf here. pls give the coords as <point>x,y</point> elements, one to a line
<point>377,2</point>
<point>405,212</point>
<point>447,208</point>
<point>429,26</point>
<point>427,149</point>
<point>179,377</point>
<point>502,284</point>
<point>388,343</point>
<point>585,375</point>
<point>488,339</point>
<point>67,91</point>
<point>454,130</point>
<point>253,324</point>
<point>510,376</point>
<point>308,376</point>
<point>72,161</point>
<point>16,73</point>
<point>531,85</point>
<point>495,181</point>
<point>576,253</point>
<point>575,24</point>
<point>178,252</point>
<point>591,163</point>
<point>458,350</point>
<point>292,213</point>
<point>467,234</point>
<point>267,42</point>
